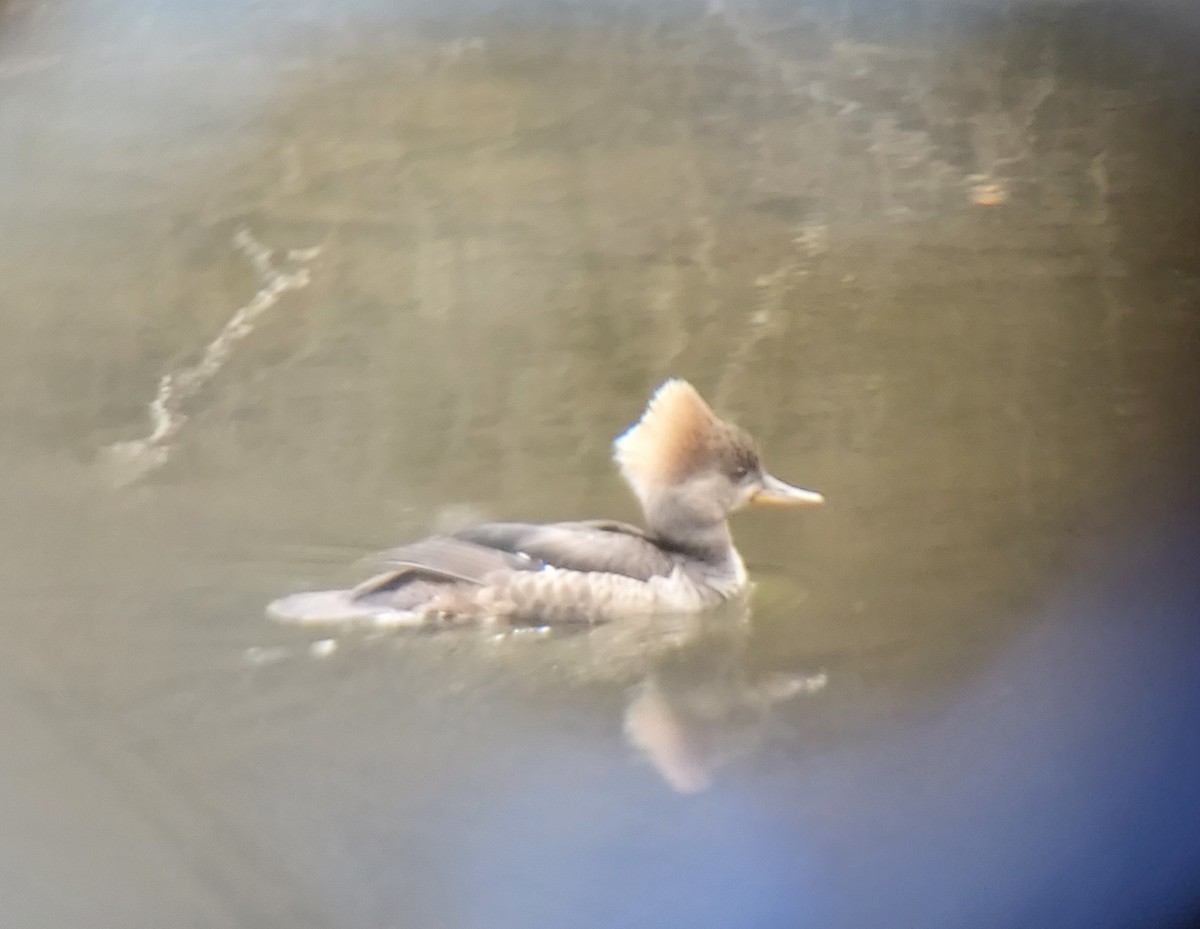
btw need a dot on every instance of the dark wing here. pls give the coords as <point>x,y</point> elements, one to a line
<point>440,560</point>
<point>593,545</point>
<point>452,557</point>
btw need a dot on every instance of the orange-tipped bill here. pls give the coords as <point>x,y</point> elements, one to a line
<point>775,492</point>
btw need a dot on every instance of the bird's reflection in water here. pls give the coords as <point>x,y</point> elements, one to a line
<point>695,703</point>
<point>693,700</point>
<point>699,706</point>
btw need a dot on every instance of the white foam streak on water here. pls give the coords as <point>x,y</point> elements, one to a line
<point>128,462</point>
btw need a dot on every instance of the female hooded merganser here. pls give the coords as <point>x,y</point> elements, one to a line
<point>689,470</point>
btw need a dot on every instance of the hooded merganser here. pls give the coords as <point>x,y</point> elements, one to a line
<point>689,470</point>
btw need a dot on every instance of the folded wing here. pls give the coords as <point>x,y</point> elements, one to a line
<point>593,546</point>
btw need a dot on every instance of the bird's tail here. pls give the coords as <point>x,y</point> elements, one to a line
<point>338,607</point>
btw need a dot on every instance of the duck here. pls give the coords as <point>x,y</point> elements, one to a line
<point>689,469</point>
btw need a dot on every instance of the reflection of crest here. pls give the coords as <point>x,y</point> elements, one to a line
<point>695,703</point>
<point>699,706</point>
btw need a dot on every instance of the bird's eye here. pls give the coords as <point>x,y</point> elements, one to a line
<point>740,472</point>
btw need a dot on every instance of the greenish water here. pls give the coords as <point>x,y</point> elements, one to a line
<point>940,259</point>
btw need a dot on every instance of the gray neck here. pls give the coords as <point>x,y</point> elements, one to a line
<point>687,530</point>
